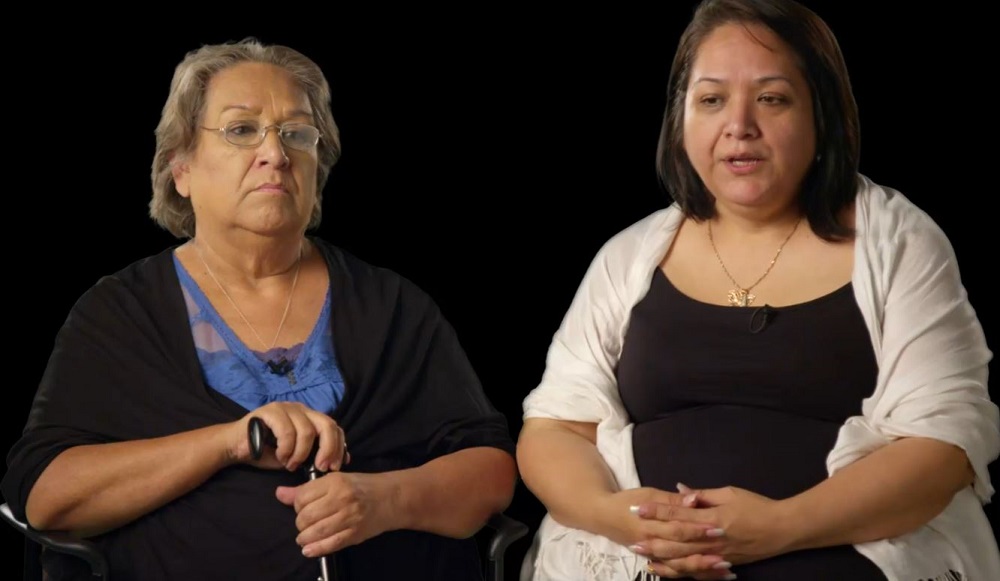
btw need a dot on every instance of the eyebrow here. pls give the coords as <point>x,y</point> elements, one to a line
<point>292,113</point>
<point>759,81</point>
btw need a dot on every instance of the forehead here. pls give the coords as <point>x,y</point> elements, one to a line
<point>736,48</point>
<point>256,87</point>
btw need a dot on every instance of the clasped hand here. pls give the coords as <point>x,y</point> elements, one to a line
<point>334,511</point>
<point>700,534</point>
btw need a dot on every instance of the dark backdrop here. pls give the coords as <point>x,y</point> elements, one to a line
<point>486,156</point>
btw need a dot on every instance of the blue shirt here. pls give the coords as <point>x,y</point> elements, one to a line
<point>307,372</point>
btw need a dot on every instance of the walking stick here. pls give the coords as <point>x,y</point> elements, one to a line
<point>260,435</point>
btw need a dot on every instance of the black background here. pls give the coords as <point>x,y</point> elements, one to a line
<point>487,156</point>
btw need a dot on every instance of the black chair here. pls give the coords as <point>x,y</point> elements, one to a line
<point>505,531</point>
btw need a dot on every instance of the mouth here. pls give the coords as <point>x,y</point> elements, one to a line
<point>272,188</point>
<point>743,161</point>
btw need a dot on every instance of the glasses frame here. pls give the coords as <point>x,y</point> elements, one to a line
<point>262,134</point>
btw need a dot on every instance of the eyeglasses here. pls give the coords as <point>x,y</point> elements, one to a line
<point>300,136</point>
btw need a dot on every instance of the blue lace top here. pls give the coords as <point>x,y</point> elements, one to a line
<point>307,372</point>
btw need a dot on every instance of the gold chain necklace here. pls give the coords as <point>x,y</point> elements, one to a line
<point>740,296</point>
<point>288,305</point>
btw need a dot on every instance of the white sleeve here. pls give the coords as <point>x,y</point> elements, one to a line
<point>934,358</point>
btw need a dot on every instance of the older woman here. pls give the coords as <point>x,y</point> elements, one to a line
<point>138,436</point>
<point>780,375</point>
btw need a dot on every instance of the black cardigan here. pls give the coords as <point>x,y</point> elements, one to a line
<point>124,367</point>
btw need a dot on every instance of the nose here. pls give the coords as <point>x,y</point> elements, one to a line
<point>271,150</point>
<point>741,122</point>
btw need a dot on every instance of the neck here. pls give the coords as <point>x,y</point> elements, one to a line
<point>756,223</point>
<point>250,264</point>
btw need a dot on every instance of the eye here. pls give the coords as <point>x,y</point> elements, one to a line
<point>242,129</point>
<point>299,135</point>
<point>710,100</point>
<point>772,99</point>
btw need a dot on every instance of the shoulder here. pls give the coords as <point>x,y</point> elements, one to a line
<point>642,233</point>
<point>147,279</point>
<point>891,223</point>
<point>631,252</point>
<point>358,279</point>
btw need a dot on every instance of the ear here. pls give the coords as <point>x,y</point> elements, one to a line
<point>181,173</point>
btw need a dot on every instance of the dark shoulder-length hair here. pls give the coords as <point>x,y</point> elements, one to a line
<point>832,181</point>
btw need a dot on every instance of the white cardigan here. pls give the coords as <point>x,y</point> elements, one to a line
<point>932,382</point>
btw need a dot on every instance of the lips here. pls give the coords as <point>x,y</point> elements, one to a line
<point>271,187</point>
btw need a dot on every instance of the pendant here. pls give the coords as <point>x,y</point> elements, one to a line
<point>740,297</point>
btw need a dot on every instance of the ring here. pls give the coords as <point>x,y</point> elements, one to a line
<point>649,567</point>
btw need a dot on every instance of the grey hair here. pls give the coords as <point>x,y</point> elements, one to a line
<point>176,133</point>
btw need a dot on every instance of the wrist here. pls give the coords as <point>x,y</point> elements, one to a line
<point>395,504</point>
<point>789,524</point>
<point>609,519</point>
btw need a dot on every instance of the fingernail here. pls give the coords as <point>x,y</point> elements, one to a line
<point>638,549</point>
<point>722,565</point>
<point>690,499</point>
<point>683,488</point>
<point>634,509</point>
<point>307,551</point>
<point>715,533</point>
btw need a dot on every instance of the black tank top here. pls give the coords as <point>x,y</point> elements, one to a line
<point>751,397</point>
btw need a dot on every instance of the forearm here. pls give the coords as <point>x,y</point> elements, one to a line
<point>95,488</point>
<point>563,469</point>
<point>453,495</point>
<point>890,492</point>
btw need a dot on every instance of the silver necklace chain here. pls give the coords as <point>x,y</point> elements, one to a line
<point>740,296</point>
<point>288,305</point>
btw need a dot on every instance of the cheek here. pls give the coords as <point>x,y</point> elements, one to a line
<point>798,145</point>
<point>698,141</point>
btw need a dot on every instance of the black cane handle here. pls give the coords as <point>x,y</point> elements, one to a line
<point>260,435</point>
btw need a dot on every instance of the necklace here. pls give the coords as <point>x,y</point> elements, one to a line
<point>740,296</point>
<point>298,264</point>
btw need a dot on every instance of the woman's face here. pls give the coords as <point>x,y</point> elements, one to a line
<point>266,189</point>
<point>748,119</point>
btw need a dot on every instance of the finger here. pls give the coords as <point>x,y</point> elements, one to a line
<point>316,523</point>
<point>331,442</point>
<point>662,570</point>
<point>703,567</point>
<point>655,495</point>
<point>330,544</point>
<point>279,423</point>
<point>691,497</point>
<point>672,512</point>
<point>665,550</point>
<point>305,436</point>
<point>680,531</point>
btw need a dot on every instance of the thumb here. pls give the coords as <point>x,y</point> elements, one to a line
<point>700,498</point>
<point>286,494</point>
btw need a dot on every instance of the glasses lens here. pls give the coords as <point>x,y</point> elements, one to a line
<point>299,136</point>
<point>243,133</point>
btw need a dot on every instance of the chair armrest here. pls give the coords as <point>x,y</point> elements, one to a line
<point>61,542</point>
<point>507,530</point>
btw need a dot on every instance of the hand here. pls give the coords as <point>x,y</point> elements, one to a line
<point>746,522</point>
<point>694,547</point>
<point>339,509</point>
<point>296,428</point>
<point>697,542</point>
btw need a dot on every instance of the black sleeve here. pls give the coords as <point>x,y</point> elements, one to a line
<point>114,374</point>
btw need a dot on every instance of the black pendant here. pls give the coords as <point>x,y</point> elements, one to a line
<point>280,367</point>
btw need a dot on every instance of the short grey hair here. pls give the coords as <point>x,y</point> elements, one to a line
<point>176,133</point>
